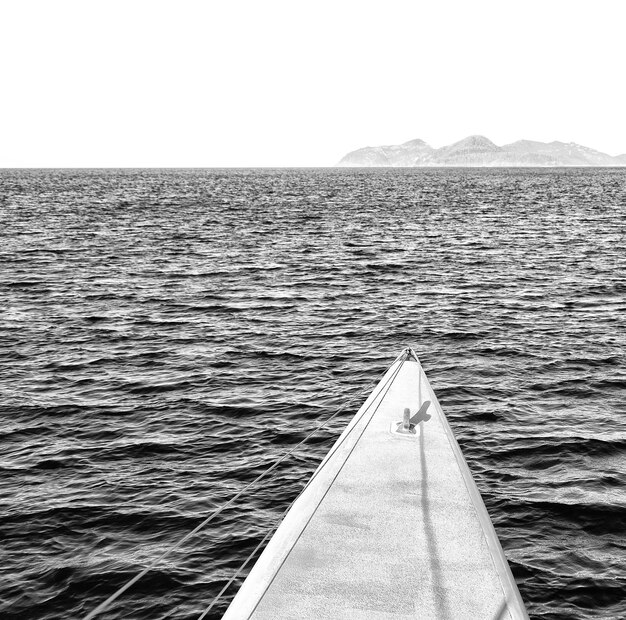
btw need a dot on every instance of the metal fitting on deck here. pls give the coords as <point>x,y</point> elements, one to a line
<point>405,427</point>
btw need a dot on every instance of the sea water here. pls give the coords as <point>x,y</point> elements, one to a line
<point>167,334</point>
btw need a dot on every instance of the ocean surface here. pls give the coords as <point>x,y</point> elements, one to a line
<point>165,335</point>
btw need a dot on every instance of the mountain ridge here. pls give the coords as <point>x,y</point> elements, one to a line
<point>477,150</point>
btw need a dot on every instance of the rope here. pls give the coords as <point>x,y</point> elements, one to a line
<point>388,384</point>
<point>230,581</point>
<point>327,459</point>
<point>105,604</point>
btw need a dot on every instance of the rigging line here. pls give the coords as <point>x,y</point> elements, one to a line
<point>389,383</point>
<point>325,461</point>
<point>230,581</point>
<point>102,606</point>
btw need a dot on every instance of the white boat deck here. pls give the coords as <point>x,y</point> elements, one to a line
<point>390,526</point>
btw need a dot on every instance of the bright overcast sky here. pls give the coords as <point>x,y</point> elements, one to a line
<point>295,83</point>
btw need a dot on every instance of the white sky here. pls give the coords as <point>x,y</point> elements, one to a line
<point>295,83</point>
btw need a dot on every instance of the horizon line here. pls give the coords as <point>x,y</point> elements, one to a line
<point>333,166</point>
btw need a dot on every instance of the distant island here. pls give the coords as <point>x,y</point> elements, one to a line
<point>480,151</point>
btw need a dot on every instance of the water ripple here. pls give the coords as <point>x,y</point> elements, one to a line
<point>168,333</point>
